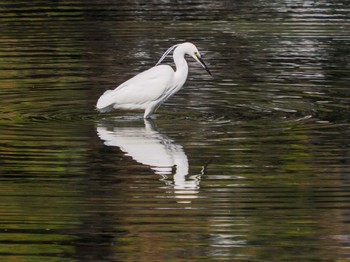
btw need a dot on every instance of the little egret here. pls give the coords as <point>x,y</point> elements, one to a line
<point>149,89</point>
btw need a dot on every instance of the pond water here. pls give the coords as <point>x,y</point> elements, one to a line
<point>252,164</point>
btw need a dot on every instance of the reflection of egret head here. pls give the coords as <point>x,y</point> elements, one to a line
<point>148,147</point>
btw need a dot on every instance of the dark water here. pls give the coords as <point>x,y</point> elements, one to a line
<point>250,165</point>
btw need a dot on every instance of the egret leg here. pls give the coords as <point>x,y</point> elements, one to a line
<point>148,113</point>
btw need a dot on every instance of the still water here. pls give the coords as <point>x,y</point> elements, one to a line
<point>252,164</point>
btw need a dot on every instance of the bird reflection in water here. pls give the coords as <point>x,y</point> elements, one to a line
<point>151,148</point>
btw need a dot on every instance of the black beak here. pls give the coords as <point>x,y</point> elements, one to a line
<point>203,64</point>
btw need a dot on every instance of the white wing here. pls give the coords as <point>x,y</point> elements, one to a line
<point>138,91</point>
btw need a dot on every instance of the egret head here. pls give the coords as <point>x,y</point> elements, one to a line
<point>196,55</point>
<point>192,50</point>
<point>186,48</point>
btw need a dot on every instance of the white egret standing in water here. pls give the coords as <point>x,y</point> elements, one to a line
<point>149,89</point>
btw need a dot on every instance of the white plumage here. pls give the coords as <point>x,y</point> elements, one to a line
<point>149,89</point>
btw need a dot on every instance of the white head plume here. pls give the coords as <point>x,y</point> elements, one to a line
<point>166,53</point>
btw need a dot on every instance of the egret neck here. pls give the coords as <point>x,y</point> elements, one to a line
<point>181,68</point>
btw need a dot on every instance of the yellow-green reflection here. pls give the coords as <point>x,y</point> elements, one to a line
<point>264,143</point>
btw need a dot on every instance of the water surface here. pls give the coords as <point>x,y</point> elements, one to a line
<point>252,164</point>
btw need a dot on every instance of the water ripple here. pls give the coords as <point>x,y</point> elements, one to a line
<point>251,162</point>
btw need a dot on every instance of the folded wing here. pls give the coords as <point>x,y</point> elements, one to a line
<point>137,92</point>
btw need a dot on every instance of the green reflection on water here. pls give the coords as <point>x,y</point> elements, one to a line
<point>271,128</point>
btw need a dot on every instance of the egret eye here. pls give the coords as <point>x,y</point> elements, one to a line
<point>196,54</point>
